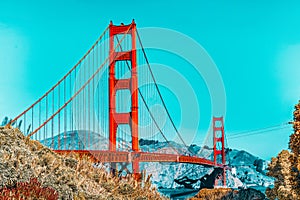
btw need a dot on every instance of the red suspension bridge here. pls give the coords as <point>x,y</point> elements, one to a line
<point>107,104</point>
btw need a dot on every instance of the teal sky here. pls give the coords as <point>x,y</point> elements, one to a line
<point>255,44</point>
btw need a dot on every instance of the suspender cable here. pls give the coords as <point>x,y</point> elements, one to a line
<point>58,83</point>
<point>152,75</point>
<point>148,109</point>
<point>76,94</point>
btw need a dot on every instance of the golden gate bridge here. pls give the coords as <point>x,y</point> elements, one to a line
<point>107,103</point>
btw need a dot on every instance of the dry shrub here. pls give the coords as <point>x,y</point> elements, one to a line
<point>212,194</point>
<point>229,194</point>
<point>28,190</point>
<point>71,176</point>
<point>280,169</point>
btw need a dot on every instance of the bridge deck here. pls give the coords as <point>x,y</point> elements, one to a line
<point>121,156</point>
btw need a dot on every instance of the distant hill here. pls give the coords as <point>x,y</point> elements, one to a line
<point>77,139</point>
<point>246,169</point>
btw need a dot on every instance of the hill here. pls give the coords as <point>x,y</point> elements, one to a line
<point>30,170</point>
<point>247,170</point>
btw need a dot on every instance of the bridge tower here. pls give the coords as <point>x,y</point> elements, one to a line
<point>219,145</point>
<point>130,118</point>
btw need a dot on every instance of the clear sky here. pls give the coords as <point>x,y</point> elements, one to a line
<point>255,45</point>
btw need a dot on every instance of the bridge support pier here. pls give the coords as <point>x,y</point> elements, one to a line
<point>136,169</point>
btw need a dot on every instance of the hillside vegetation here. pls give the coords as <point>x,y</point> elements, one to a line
<point>28,170</point>
<point>285,168</point>
<point>229,194</point>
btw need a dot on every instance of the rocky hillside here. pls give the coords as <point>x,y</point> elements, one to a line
<point>246,171</point>
<point>27,164</point>
<point>249,169</point>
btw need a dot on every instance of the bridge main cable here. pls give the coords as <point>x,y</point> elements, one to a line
<point>86,83</point>
<point>62,79</point>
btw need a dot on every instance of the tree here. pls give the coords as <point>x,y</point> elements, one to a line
<point>285,168</point>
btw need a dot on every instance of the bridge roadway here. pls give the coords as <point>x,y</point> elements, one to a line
<point>122,156</point>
